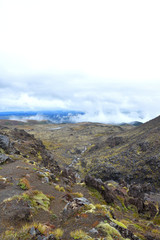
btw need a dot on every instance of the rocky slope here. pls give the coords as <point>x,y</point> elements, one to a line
<point>79,181</point>
<point>108,152</point>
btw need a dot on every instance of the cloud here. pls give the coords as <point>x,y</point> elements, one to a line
<point>100,100</point>
<point>98,57</point>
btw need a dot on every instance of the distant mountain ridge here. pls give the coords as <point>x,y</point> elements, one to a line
<point>57,116</point>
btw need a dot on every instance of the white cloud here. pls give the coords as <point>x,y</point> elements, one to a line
<point>95,56</point>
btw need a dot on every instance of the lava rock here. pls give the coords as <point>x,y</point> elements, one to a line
<point>69,174</point>
<point>16,210</point>
<point>93,231</point>
<point>73,207</point>
<point>107,194</point>
<point>124,231</point>
<point>4,142</point>
<point>4,158</point>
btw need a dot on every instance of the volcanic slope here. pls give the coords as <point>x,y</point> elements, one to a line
<point>41,201</point>
<point>105,151</point>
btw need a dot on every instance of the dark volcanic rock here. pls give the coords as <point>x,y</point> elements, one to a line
<point>4,158</point>
<point>48,161</point>
<point>139,203</point>
<point>144,206</point>
<point>124,232</point>
<point>4,142</point>
<point>144,146</point>
<point>22,134</point>
<point>69,174</point>
<point>107,194</point>
<point>15,211</point>
<point>73,207</point>
<point>138,190</point>
<point>105,173</point>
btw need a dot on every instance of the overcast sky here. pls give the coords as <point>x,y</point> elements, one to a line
<point>98,56</point>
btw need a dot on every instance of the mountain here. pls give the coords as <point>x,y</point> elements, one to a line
<point>79,181</point>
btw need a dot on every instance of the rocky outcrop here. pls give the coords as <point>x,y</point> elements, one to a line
<point>124,232</point>
<point>4,158</point>
<point>107,194</point>
<point>48,161</point>
<point>73,207</point>
<point>139,190</point>
<point>4,142</point>
<point>15,211</point>
<point>137,197</point>
<point>69,174</point>
<point>21,134</point>
<point>106,172</point>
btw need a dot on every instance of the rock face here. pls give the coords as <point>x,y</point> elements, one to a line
<point>138,190</point>
<point>135,195</point>
<point>105,173</point>
<point>48,160</point>
<point>31,147</point>
<point>69,174</point>
<point>124,232</point>
<point>130,155</point>
<point>4,158</point>
<point>4,142</point>
<point>101,187</point>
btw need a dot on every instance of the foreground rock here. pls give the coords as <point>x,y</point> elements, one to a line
<point>4,158</point>
<point>15,211</point>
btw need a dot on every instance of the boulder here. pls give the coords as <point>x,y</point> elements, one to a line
<point>4,142</point>
<point>73,207</point>
<point>15,211</point>
<point>107,194</point>
<point>69,173</point>
<point>106,172</point>
<point>4,158</point>
<point>139,190</point>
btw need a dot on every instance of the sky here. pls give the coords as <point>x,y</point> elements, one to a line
<point>97,56</point>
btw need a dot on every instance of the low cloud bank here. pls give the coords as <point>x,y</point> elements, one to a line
<point>37,117</point>
<point>112,117</point>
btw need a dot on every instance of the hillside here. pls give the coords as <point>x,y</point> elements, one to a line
<point>79,181</point>
<point>105,151</point>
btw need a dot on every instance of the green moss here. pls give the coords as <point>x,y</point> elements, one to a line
<point>109,231</point>
<point>79,234</point>
<point>58,233</point>
<point>90,208</point>
<point>119,223</point>
<point>121,199</point>
<point>138,227</point>
<point>39,156</point>
<point>54,216</point>
<point>2,151</point>
<point>77,194</point>
<point>23,233</point>
<point>24,184</point>
<point>37,199</point>
<point>156,220</point>
<point>60,189</point>
<point>95,193</point>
